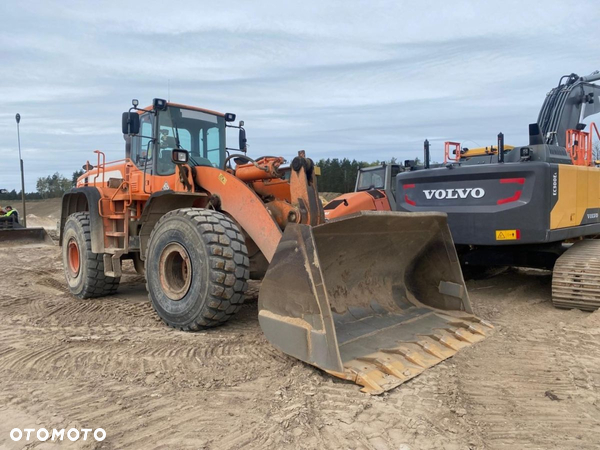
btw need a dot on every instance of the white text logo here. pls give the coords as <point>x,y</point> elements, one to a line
<point>42,434</point>
<point>447,194</point>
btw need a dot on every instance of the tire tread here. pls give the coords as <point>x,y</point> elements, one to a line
<point>229,263</point>
<point>96,284</point>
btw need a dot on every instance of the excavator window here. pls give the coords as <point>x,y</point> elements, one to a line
<point>371,179</point>
<point>395,171</point>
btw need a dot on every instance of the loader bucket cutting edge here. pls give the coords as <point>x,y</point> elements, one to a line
<point>23,236</point>
<point>375,298</point>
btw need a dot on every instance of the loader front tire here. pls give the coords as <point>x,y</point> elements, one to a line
<point>196,268</point>
<point>84,270</point>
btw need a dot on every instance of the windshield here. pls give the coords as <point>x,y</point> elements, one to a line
<point>371,179</point>
<point>200,133</point>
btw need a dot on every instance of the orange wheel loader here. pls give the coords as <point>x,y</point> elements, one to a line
<point>375,298</point>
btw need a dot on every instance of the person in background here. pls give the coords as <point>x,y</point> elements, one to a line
<point>10,212</point>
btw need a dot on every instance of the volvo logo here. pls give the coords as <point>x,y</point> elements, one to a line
<point>447,194</point>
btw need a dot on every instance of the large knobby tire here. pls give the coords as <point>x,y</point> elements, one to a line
<point>84,270</point>
<point>196,268</point>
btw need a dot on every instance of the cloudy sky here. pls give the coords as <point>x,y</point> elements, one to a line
<point>359,79</point>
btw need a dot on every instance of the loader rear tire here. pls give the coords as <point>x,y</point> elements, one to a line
<point>84,270</point>
<point>196,268</point>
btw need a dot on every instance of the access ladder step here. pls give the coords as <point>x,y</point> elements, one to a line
<point>116,233</point>
<point>112,264</point>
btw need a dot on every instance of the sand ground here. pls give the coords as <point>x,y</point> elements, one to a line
<point>110,363</point>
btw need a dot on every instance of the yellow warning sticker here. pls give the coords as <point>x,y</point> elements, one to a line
<point>222,178</point>
<point>507,235</point>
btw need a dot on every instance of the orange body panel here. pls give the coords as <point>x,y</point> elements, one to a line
<point>276,188</point>
<point>244,206</point>
<point>262,204</point>
<point>356,201</point>
<point>266,168</point>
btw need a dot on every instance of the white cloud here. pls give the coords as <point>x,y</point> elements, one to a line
<point>363,79</point>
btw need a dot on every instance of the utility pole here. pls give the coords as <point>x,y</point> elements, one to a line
<point>24,216</point>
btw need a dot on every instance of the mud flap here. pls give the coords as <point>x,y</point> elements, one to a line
<point>22,236</point>
<point>375,298</point>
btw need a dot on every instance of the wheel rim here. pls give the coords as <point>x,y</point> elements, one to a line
<point>175,271</point>
<point>73,257</point>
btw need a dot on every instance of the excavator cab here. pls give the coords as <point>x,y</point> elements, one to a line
<point>375,191</point>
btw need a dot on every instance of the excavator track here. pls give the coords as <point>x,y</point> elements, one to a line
<point>576,277</point>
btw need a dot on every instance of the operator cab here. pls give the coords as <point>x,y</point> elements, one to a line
<point>169,126</point>
<point>375,177</point>
<point>379,178</point>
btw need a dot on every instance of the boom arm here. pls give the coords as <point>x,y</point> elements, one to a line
<point>264,223</point>
<point>567,105</point>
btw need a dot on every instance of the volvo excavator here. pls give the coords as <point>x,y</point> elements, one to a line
<point>535,205</point>
<point>375,298</point>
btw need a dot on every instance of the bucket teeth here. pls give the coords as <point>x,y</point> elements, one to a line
<point>472,327</point>
<point>410,356</point>
<point>485,323</point>
<point>368,381</point>
<point>375,298</point>
<point>475,330</point>
<point>462,335</point>
<point>388,366</point>
<point>432,349</point>
<point>448,341</point>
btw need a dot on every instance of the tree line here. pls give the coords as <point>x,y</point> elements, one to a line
<point>52,186</point>
<point>337,175</point>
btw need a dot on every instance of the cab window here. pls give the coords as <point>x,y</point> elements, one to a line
<point>141,145</point>
<point>395,171</point>
<point>200,133</point>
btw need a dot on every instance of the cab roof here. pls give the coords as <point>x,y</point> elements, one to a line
<point>179,105</point>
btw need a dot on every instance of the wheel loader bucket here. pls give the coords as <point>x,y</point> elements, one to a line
<point>375,298</point>
<point>23,236</point>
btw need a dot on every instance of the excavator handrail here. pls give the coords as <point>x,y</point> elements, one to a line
<point>580,145</point>
<point>447,155</point>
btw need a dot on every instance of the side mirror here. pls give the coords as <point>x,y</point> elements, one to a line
<point>130,123</point>
<point>243,140</point>
<point>180,156</point>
